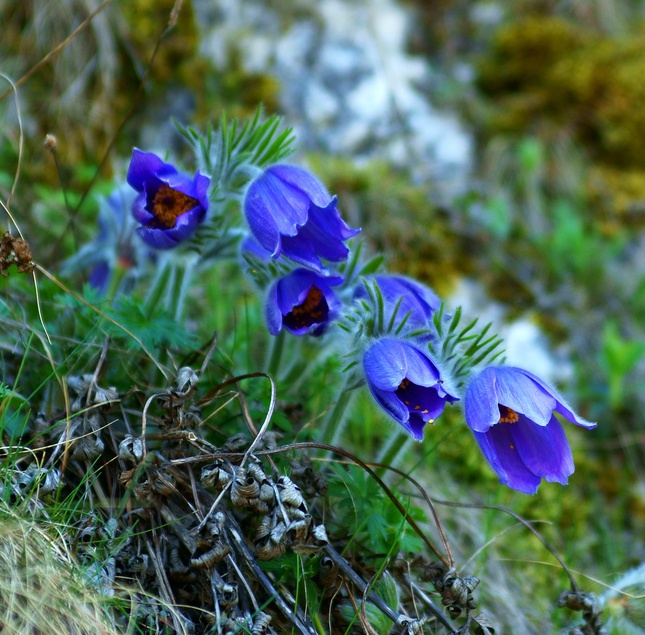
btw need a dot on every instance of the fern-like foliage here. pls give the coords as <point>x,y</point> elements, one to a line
<point>228,154</point>
<point>463,347</point>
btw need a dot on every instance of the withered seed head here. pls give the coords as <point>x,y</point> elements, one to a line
<point>211,557</point>
<point>187,380</point>
<point>50,142</point>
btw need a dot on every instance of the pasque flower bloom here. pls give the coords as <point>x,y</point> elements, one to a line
<point>416,301</point>
<point>115,245</point>
<point>170,205</point>
<point>511,412</point>
<point>302,302</point>
<point>406,383</point>
<point>290,212</point>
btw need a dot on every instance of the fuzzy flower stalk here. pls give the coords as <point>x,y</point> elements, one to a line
<point>512,415</point>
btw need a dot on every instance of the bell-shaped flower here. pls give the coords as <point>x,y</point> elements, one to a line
<point>170,205</point>
<point>406,383</point>
<point>290,213</point>
<point>512,414</point>
<point>302,302</point>
<point>411,299</point>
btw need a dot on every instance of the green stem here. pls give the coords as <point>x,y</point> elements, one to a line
<point>277,346</point>
<point>176,300</point>
<point>118,274</point>
<point>331,427</point>
<point>170,285</point>
<point>318,624</point>
<point>159,286</point>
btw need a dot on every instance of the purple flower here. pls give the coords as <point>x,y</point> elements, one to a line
<point>417,301</point>
<point>100,276</point>
<point>302,302</point>
<point>170,205</point>
<point>511,412</point>
<point>406,383</point>
<point>290,212</point>
<point>115,245</point>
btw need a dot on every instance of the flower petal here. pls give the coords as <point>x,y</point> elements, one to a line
<point>157,238</point>
<point>302,180</point>
<point>201,183</point>
<point>421,370</point>
<point>544,449</point>
<point>262,224</point>
<point>272,312</point>
<point>143,166</point>
<point>287,206</point>
<point>516,390</point>
<point>498,446</point>
<point>293,289</point>
<point>182,183</point>
<point>562,406</point>
<point>100,276</point>
<point>328,221</point>
<point>415,425</point>
<point>187,222</point>
<point>300,251</point>
<point>481,407</point>
<point>428,300</point>
<point>391,404</point>
<point>385,364</point>
<point>139,210</point>
<point>324,238</point>
<point>415,300</point>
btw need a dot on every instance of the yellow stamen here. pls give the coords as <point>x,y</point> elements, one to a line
<point>404,385</point>
<point>507,415</point>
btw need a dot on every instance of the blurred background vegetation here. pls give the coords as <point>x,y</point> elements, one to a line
<point>551,224</point>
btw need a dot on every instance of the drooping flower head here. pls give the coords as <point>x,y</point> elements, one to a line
<point>406,383</point>
<point>415,300</point>
<point>170,205</point>
<point>290,213</point>
<point>302,302</point>
<point>511,412</point>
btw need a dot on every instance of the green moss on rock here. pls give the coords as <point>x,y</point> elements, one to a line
<point>543,71</point>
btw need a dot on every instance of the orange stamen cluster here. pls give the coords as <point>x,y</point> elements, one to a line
<point>311,311</point>
<point>507,415</point>
<point>168,204</point>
